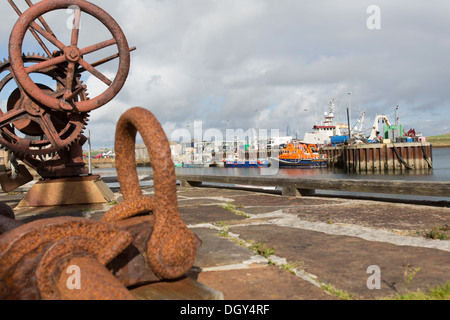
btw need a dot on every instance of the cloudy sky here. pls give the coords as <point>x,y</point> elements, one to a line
<point>272,64</point>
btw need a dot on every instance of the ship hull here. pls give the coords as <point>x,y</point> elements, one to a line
<point>300,163</point>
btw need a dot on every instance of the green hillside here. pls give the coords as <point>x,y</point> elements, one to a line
<point>440,141</point>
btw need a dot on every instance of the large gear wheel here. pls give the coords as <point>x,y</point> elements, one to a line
<point>71,55</point>
<point>27,128</point>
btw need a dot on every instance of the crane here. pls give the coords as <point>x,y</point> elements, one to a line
<point>375,129</point>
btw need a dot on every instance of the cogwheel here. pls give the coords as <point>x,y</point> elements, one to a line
<point>29,129</point>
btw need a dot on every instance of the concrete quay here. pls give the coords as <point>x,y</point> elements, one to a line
<point>258,245</point>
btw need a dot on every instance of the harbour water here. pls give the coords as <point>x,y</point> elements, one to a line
<point>440,172</point>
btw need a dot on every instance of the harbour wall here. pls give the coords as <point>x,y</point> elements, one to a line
<point>381,157</point>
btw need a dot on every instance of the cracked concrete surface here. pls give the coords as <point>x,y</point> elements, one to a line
<point>334,241</point>
<point>315,241</point>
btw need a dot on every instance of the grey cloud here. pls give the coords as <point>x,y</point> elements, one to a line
<point>242,55</point>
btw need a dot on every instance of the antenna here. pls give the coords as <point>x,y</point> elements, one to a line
<point>397,119</point>
<point>348,116</point>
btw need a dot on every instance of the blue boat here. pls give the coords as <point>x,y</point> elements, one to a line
<point>246,163</point>
<point>193,165</point>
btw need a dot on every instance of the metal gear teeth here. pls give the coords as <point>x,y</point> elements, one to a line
<point>37,57</point>
<point>86,93</point>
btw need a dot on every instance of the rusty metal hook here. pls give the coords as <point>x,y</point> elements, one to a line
<point>172,247</point>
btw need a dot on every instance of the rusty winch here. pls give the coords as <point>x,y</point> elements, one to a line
<point>140,240</point>
<point>43,123</point>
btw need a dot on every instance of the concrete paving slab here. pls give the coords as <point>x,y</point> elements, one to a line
<point>184,202</point>
<point>261,283</point>
<point>196,214</point>
<point>402,218</point>
<point>343,261</point>
<point>273,200</point>
<point>218,251</point>
<point>181,289</point>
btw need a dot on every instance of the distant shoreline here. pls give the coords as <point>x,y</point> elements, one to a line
<point>111,163</point>
<point>441,141</point>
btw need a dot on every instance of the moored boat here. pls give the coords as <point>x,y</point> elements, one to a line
<point>193,165</point>
<point>300,155</point>
<point>246,163</point>
<point>322,133</point>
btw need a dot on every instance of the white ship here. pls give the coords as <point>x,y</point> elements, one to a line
<point>322,133</point>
